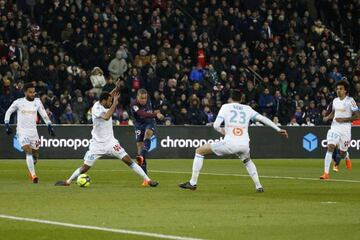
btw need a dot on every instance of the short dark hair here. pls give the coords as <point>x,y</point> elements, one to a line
<point>141,91</point>
<point>104,96</point>
<point>235,95</point>
<point>343,83</point>
<point>27,86</point>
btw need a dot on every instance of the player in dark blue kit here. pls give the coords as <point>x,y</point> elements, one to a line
<point>144,124</point>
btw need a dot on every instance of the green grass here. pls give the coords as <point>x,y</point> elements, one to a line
<point>223,207</point>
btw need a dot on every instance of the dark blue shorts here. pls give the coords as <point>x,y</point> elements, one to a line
<point>140,131</point>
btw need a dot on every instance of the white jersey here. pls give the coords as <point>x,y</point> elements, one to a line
<point>343,109</point>
<point>236,118</point>
<point>27,116</point>
<point>102,129</point>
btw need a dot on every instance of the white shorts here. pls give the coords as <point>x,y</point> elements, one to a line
<point>97,150</point>
<point>224,147</point>
<point>33,141</point>
<point>339,139</point>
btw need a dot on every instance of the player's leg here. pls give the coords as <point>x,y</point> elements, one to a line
<point>120,153</point>
<point>148,133</point>
<point>30,162</point>
<point>89,161</point>
<point>244,155</point>
<point>35,153</point>
<point>348,161</point>
<point>140,134</point>
<point>343,146</point>
<point>333,139</point>
<point>337,158</point>
<point>200,153</point>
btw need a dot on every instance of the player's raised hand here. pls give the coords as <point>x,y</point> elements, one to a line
<point>116,98</point>
<point>118,84</point>
<point>283,132</point>
<point>8,129</point>
<point>160,116</point>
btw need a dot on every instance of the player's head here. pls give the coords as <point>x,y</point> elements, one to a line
<point>105,99</point>
<point>142,96</point>
<point>29,91</point>
<point>342,88</point>
<point>235,95</point>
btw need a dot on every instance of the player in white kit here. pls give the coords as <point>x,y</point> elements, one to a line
<point>103,142</point>
<point>27,109</point>
<point>344,111</point>
<point>236,118</point>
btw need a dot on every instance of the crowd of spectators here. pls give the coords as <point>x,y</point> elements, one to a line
<point>188,54</point>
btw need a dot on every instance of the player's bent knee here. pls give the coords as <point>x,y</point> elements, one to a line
<point>342,154</point>
<point>204,149</point>
<point>148,133</point>
<point>27,149</point>
<point>85,168</point>
<point>127,160</point>
<point>246,160</point>
<point>331,147</point>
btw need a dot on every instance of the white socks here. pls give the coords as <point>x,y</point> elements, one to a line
<point>197,165</point>
<point>30,164</point>
<point>139,171</point>
<point>251,169</point>
<point>327,161</point>
<point>75,174</point>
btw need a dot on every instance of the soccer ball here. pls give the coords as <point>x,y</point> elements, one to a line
<point>83,180</point>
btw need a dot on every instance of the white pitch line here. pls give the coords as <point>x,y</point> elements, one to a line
<point>105,229</point>
<point>272,177</point>
<point>210,174</point>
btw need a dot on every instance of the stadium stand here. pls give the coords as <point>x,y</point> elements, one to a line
<point>187,54</point>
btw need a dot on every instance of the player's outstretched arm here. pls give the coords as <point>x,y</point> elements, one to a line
<point>111,110</point>
<point>355,116</point>
<point>217,125</point>
<point>269,123</point>
<point>8,113</point>
<point>46,119</point>
<point>116,88</point>
<point>329,117</point>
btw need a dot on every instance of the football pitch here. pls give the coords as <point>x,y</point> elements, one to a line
<point>295,205</point>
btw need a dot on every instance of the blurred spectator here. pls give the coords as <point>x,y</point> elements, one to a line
<point>195,115</point>
<point>266,102</point>
<point>177,49</point>
<point>97,80</point>
<point>118,65</point>
<point>69,117</point>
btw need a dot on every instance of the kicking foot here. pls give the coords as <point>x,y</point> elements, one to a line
<point>348,164</point>
<point>260,190</point>
<point>325,176</point>
<point>335,168</point>
<point>150,183</point>
<point>187,185</point>
<point>33,178</point>
<point>62,183</point>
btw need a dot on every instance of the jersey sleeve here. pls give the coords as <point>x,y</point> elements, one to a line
<point>135,108</point>
<point>353,105</point>
<point>222,113</point>
<point>219,119</point>
<point>99,111</point>
<point>11,110</point>
<point>252,114</point>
